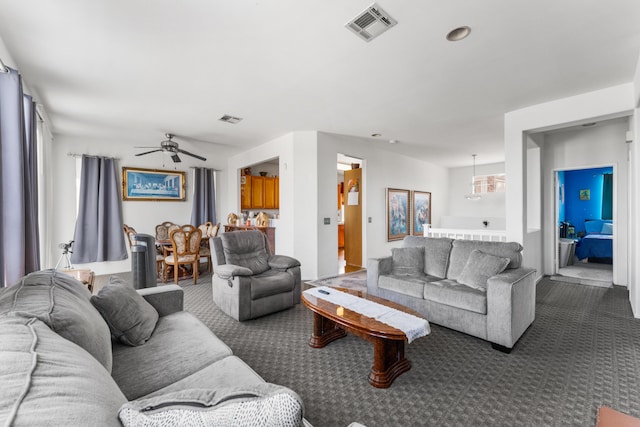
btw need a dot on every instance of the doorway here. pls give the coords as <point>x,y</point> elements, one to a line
<point>349,194</point>
<point>585,226</point>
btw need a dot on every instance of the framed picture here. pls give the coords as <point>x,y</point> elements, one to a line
<point>153,185</point>
<point>585,194</point>
<point>420,212</point>
<point>398,213</point>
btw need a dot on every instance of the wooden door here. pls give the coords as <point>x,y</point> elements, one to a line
<point>257,192</point>
<point>353,219</point>
<point>245,192</point>
<point>269,193</point>
<point>277,192</point>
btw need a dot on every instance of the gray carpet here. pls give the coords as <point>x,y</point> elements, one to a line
<point>582,351</point>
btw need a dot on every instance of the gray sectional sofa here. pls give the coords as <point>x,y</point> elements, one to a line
<point>59,364</point>
<point>476,287</point>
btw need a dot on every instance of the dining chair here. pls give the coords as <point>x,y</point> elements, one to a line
<point>185,250</point>
<point>129,232</point>
<point>162,231</point>
<point>205,252</point>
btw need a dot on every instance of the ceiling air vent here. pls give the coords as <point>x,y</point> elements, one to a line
<point>230,119</point>
<point>372,22</point>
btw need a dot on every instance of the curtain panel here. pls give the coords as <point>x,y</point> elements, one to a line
<point>204,196</point>
<point>607,196</point>
<point>19,234</point>
<point>98,235</point>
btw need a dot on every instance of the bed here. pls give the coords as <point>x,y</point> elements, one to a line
<point>598,242</point>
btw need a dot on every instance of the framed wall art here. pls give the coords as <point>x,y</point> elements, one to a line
<point>153,185</point>
<point>420,212</point>
<point>398,213</point>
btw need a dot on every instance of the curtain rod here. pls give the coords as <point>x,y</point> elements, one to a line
<point>3,68</point>
<point>197,167</point>
<point>91,155</point>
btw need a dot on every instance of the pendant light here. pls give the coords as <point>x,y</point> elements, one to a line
<point>473,195</point>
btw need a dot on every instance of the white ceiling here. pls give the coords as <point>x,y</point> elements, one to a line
<point>133,70</point>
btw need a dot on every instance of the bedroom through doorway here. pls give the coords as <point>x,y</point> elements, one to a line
<point>585,226</point>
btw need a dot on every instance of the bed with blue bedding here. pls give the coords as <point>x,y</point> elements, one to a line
<point>598,242</point>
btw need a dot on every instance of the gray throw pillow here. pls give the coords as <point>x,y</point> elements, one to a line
<point>407,261</point>
<point>480,267</point>
<point>131,319</point>
<point>257,405</point>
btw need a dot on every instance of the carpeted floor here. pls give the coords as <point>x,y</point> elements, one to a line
<point>582,351</point>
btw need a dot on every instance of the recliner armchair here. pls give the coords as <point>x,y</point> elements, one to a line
<point>249,281</point>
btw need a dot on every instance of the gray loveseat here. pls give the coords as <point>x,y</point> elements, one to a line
<point>475,287</point>
<point>60,366</point>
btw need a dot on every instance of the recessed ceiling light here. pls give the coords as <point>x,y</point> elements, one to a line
<point>375,135</point>
<point>458,34</point>
<point>393,141</point>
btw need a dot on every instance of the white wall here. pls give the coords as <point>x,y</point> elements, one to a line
<point>617,101</point>
<point>143,216</point>
<point>469,214</point>
<point>381,169</point>
<point>602,145</point>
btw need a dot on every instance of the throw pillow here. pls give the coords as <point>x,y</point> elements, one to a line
<point>480,267</point>
<point>607,228</point>
<point>593,226</point>
<point>260,405</point>
<point>131,319</point>
<point>407,261</point>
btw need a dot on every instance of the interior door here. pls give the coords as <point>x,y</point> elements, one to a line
<point>353,219</point>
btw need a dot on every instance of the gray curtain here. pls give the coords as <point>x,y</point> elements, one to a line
<point>98,235</point>
<point>18,180</point>
<point>204,196</point>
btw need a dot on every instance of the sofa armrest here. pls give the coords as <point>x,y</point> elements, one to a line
<point>229,271</point>
<point>283,262</point>
<point>511,305</point>
<point>165,299</point>
<point>376,267</point>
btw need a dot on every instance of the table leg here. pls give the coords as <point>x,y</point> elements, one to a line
<point>388,362</point>
<point>324,331</point>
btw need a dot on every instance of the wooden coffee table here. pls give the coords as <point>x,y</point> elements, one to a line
<point>331,322</point>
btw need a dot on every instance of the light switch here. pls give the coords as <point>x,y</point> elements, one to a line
<point>327,221</point>
<point>369,220</point>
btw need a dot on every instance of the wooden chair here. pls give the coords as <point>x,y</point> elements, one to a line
<point>162,231</point>
<point>185,250</point>
<point>213,231</point>
<point>205,252</point>
<point>129,232</point>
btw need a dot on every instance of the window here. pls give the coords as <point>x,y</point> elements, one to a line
<point>489,183</point>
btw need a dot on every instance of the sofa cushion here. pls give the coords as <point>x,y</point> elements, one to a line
<point>63,304</point>
<point>436,253</point>
<point>48,380</point>
<point>480,267</point>
<point>454,294</point>
<point>228,372</point>
<point>407,285</point>
<point>271,282</point>
<point>407,261</point>
<point>163,360</point>
<point>131,319</point>
<point>462,249</point>
<point>261,404</point>
<point>246,249</point>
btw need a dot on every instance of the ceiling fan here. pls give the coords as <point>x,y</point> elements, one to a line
<point>171,147</point>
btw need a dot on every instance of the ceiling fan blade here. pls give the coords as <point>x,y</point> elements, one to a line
<point>175,158</point>
<point>149,152</point>
<point>192,155</point>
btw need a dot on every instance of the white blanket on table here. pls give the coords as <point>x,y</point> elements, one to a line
<point>412,326</point>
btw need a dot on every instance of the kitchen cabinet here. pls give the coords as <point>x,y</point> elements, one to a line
<point>259,192</point>
<point>245,192</point>
<point>341,235</point>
